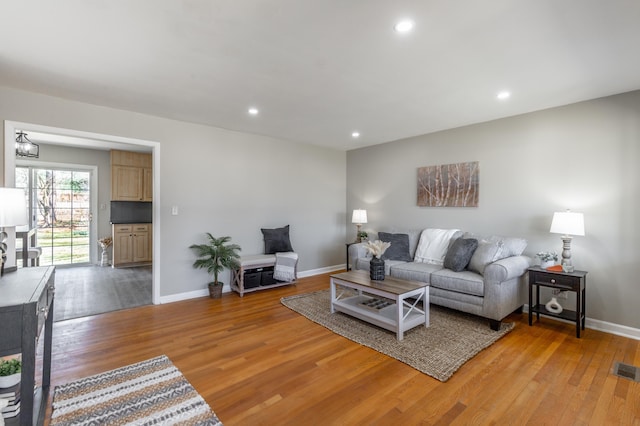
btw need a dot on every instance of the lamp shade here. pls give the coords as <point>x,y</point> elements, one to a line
<point>13,207</point>
<point>359,216</point>
<point>567,223</point>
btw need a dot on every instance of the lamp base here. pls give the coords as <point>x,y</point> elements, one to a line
<point>567,266</point>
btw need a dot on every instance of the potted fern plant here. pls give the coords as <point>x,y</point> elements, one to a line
<point>215,256</point>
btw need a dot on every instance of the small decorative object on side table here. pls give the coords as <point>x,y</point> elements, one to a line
<point>575,281</point>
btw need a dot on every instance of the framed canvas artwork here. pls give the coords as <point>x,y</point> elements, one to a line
<point>449,185</point>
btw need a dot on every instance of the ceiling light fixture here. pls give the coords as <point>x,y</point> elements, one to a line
<point>403,26</point>
<point>26,148</point>
<point>503,95</point>
<point>355,135</point>
<point>253,111</point>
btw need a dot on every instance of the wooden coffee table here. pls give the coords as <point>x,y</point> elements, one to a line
<point>377,302</point>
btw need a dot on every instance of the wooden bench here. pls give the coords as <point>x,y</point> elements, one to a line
<point>251,262</point>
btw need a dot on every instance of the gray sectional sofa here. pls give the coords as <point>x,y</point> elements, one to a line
<point>489,282</point>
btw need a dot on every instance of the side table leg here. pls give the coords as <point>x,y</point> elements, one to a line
<point>530,304</point>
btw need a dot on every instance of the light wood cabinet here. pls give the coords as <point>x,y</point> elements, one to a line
<point>131,176</point>
<point>132,244</point>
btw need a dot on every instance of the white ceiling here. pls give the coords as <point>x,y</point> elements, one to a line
<point>320,69</point>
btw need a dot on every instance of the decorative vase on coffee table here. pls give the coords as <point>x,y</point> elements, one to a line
<point>376,269</point>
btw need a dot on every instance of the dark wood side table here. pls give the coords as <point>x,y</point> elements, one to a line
<point>349,245</point>
<point>26,315</point>
<point>564,281</point>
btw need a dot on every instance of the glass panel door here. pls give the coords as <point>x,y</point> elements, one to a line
<point>60,204</point>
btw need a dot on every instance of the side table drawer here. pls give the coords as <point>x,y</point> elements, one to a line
<point>552,280</point>
<point>42,307</point>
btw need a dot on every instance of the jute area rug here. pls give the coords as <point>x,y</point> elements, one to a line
<point>452,338</point>
<point>150,392</point>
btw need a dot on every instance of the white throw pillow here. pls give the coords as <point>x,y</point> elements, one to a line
<point>433,245</point>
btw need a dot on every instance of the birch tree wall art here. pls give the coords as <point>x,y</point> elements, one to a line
<point>449,185</point>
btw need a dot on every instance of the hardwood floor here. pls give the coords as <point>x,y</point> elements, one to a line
<point>257,362</point>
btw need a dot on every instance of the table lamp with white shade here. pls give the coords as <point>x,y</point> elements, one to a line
<point>567,223</point>
<point>359,217</point>
<point>13,212</point>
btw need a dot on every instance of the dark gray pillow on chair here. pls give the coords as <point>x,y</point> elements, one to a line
<point>276,240</point>
<point>399,248</point>
<point>459,253</point>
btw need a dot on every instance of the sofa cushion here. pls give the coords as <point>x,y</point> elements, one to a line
<point>459,253</point>
<point>414,271</point>
<point>433,245</point>
<point>388,264</point>
<point>486,253</point>
<point>276,240</point>
<point>399,249</point>
<point>466,282</point>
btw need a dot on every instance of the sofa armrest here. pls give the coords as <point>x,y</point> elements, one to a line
<point>358,251</point>
<point>507,268</point>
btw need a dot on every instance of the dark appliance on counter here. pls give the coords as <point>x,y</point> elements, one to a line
<point>131,212</point>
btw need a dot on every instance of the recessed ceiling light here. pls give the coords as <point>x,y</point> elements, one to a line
<point>503,95</point>
<point>355,135</point>
<point>403,26</point>
<point>253,111</point>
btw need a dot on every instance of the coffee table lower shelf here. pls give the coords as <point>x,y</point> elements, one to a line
<point>384,318</point>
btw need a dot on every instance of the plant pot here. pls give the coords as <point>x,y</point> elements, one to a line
<point>544,264</point>
<point>8,381</point>
<point>376,269</point>
<point>215,290</point>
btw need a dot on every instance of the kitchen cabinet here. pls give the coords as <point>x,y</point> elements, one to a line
<point>131,176</point>
<point>132,244</point>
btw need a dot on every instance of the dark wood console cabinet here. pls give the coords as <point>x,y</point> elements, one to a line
<point>26,310</point>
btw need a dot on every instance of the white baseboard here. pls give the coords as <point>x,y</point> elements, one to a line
<point>227,289</point>
<point>320,271</point>
<point>185,296</point>
<point>607,327</point>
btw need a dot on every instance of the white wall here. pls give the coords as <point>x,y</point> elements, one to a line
<point>224,182</point>
<point>583,156</point>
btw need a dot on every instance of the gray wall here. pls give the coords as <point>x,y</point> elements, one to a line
<point>224,182</point>
<point>582,156</point>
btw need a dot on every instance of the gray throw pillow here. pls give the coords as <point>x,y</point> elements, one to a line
<point>276,240</point>
<point>399,248</point>
<point>486,253</point>
<point>459,253</point>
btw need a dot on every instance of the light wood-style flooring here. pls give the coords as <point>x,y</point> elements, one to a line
<point>258,363</point>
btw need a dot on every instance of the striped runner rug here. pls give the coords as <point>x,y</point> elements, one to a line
<point>152,392</point>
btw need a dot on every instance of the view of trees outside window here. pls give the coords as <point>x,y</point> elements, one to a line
<point>60,209</point>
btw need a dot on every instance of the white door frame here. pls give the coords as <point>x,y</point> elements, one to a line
<point>79,138</point>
